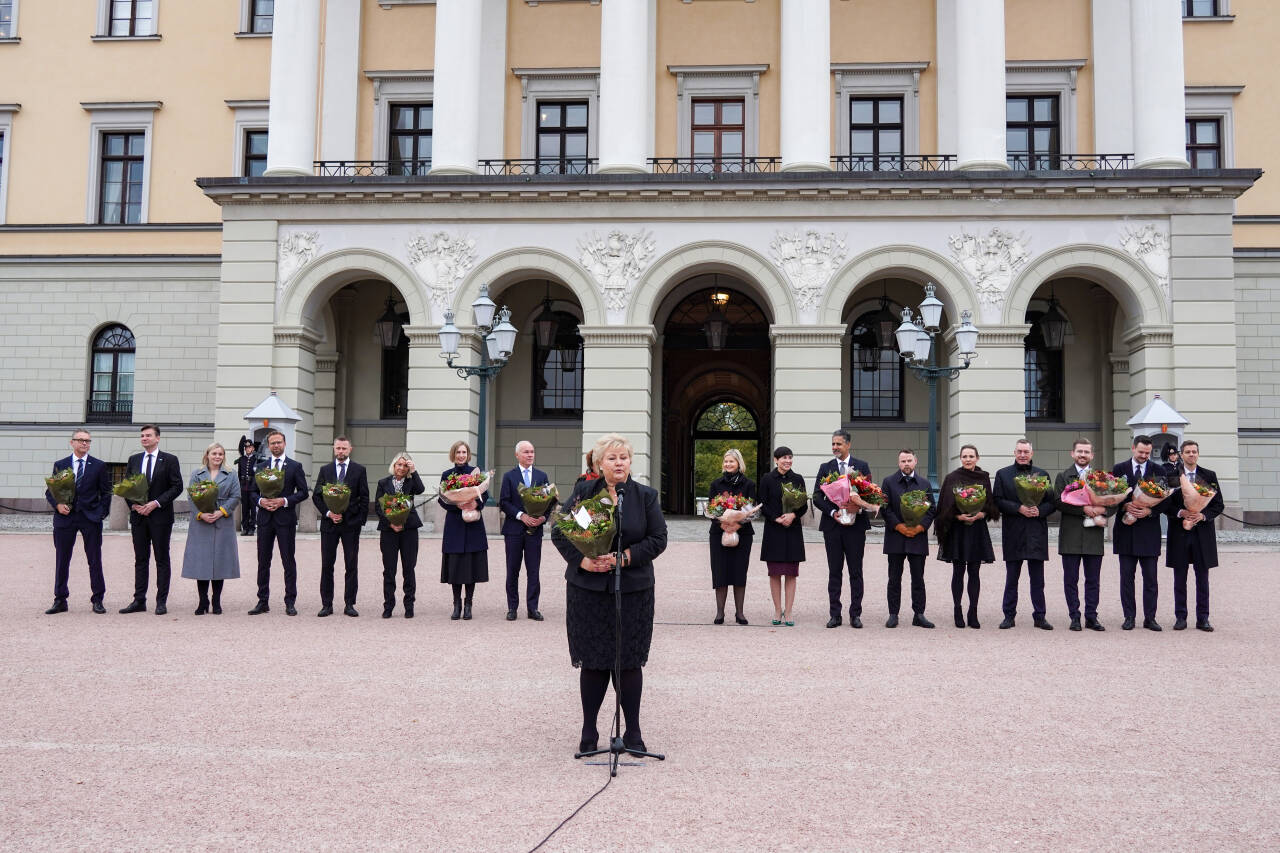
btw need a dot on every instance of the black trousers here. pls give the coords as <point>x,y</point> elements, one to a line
<point>248,508</point>
<point>350,539</point>
<point>1012,572</point>
<point>1150,586</point>
<point>1092,583</point>
<point>1180,593</point>
<point>845,545</point>
<point>528,547</point>
<point>916,562</point>
<point>403,545</point>
<point>150,535</point>
<point>64,542</point>
<point>270,536</point>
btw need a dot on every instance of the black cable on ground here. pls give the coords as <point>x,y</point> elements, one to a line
<point>575,813</point>
<point>1247,523</point>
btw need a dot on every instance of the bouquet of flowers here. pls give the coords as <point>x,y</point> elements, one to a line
<point>851,491</point>
<point>1195,497</point>
<point>270,482</point>
<point>538,499</point>
<point>793,499</point>
<point>913,507</point>
<point>459,489</point>
<point>970,499</point>
<point>133,488</point>
<point>1075,494</point>
<point>731,510</point>
<point>396,507</point>
<point>589,525</point>
<point>1031,488</point>
<point>337,497</point>
<point>62,486</point>
<point>204,495</point>
<point>1148,494</point>
<point>867,493</point>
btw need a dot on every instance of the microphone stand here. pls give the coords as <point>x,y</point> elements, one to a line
<point>616,747</point>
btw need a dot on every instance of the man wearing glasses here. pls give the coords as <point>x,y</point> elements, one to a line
<point>84,515</point>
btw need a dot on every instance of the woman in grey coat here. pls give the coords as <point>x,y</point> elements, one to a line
<point>211,553</point>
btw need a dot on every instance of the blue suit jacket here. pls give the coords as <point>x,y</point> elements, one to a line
<point>510,504</point>
<point>295,491</point>
<point>93,494</point>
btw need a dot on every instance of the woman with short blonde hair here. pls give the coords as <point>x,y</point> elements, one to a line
<point>399,540</point>
<point>729,564</point>
<point>464,546</point>
<point>211,552</point>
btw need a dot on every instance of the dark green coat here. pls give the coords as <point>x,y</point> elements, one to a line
<point>1073,536</point>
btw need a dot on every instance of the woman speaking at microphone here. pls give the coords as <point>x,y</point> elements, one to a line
<point>590,611</point>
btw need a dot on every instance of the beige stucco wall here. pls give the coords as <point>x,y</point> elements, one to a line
<point>400,38</point>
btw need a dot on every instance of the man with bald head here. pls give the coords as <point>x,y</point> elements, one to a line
<point>522,532</point>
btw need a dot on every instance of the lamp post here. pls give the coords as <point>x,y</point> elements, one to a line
<point>499,340</point>
<point>917,346</point>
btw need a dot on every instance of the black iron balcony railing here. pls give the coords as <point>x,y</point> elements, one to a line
<point>370,168</point>
<point>713,165</point>
<point>893,162</point>
<point>1070,162</point>
<point>540,166</point>
<point>109,411</point>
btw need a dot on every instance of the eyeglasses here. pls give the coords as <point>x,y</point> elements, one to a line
<point>83,440</point>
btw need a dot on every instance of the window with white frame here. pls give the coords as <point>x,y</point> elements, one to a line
<point>1210,126</point>
<point>8,19</point>
<point>249,144</point>
<point>702,84</point>
<point>127,18</point>
<point>257,17</point>
<point>1047,88</point>
<point>6,134</point>
<point>393,93</point>
<point>119,177</point>
<point>881,99</point>
<point>576,93</point>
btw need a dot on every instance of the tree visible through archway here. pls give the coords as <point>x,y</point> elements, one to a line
<point>719,427</point>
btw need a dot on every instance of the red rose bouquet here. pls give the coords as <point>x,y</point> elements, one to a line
<point>459,489</point>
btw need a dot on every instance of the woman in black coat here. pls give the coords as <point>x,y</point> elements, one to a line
<point>964,540</point>
<point>590,605</point>
<point>729,565</point>
<point>465,549</point>
<point>782,545</point>
<point>399,540</point>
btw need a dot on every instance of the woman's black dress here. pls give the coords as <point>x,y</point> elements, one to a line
<point>959,542</point>
<point>464,547</point>
<point>590,607</point>
<point>780,544</point>
<point>729,565</point>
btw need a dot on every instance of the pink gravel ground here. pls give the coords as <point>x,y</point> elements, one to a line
<point>141,732</point>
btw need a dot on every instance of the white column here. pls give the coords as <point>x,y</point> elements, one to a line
<point>456,138</point>
<point>493,75</point>
<point>806,85</point>
<point>807,391</point>
<point>295,79</point>
<point>1112,78</point>
<point>971,94</point>
<point>340,99</point>
<point>618,389</point>
<point>1159,87</point>
<point>987,405</point>
<point>626,85</point>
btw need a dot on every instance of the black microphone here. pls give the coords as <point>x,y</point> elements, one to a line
<point>619,489</point>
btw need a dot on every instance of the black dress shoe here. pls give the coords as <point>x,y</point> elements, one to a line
<point>920,621</point>
<point>325,611</point>
<point>535,615</point>
<point>290,610</point>
<point>1093,624</point>
<point>636,743</point>
<point>1128,624</point>
<point>1075,624</point>
<point>466,611</point>
<point>1151,625</point>
<point>408,611</point>
<point>386,613</point>
<point>202,609</point>
<point>856,622</point>
<point>1204,626</point>
<point>135,607</point>
<point>1179,624</point>
<point>457,612</point>
<point>740,619</point>
<point>892,621</point>
<point>1007,623</point>
<point>259,608</point>
<point>98,608</point>
<point>833,622</point>
<point>59,606</point>
<point>719,620</point>
<point>1043,624</point>
<point>588,743</point>
<point>511,616</point>
<point>161,609</point>
<point>350,610</point>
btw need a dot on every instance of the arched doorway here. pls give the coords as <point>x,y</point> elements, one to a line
<point>716,384</point>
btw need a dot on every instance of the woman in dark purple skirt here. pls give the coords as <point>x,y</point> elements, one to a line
<point>782,545</point>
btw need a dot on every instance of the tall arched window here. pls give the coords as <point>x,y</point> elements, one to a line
<point>720,426</point>
<point>1043,375</point>
<point>557,372</point>
<point>875,373</point>
<point>111,381</point>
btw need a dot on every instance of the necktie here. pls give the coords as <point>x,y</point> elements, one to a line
<point>275,463</point>
<point>148,467</point>
<point>843,469</point>
<point>79,469</point>
<point>527,477</point>
<point>342,471</point>
<point>1141,468</point>
<point>1191,476</point>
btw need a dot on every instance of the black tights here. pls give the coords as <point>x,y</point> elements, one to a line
<point>957,583</point>
<point>457,592</point>
<point>202,587</point>
<point>593,683</point>
<point>722,594</point>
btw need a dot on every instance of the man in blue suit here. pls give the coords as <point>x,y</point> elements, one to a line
<point>522,532</point>
<point>278,526</point>
<point>1137,543</point>
<point>1197,547</point>
<point>342,527</point>
<point>84,515</point>
<point>845,543</point>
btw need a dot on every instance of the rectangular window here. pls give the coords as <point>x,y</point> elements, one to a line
<point>562,137</point>
<point>261,15</point>
<point>1199,8</point>
<point>395,380</point>
<point>1204,143</point>
<point>6,19</point>
<point>875,133</point>
<point>255,153</point>
<point>410,139</point>
<point>120,195</point>
<point>718,128</point>
<point>132,18</point>
<point>1032,131</point>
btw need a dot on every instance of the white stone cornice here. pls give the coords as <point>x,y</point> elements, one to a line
<point>106,106</point>
<point>298,336</point>
<point>1148,335</point>
<point>1119,362</point>
<point>807,336</point>
<point>1070,67</point>
<point>618,336</point>
<point>422,336</point>
<point>327,361</point>
<point>1011,335</point>
<point>682,72</point>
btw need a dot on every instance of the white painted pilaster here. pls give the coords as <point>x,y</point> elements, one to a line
<point>1159,86</point>
<point>808,389</point>
<point>627,53</point>
<point>806,85</point>
<point>443,407</point>
<point>340,99</point>
<point>493,72</point>
<point>987,402</point>
<point>971,71</point>
<point>1112,78</point>
<point>617,390</point>
<point>456,137</point>
<point>295,78</point>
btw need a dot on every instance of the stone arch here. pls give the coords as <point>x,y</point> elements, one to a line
<point>711,256</point>
<point>310,289</point>
<point>1131,283</point>
<point>954,288</point>
<point>505,267</point>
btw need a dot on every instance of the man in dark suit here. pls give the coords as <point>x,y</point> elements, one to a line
<point>906,542</point>
<point>1079,544</point>
<point>341,527</point>
<point>1199,545</point>
<point>1137,543</point>
<point>278,526</point>
<point>1025,534</point>
<point>522,533</point>
<point>84,515</point>
<point>845,543</point>
<point>151,523</point>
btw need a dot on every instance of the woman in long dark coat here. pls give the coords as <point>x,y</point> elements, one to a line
<point>211,553</point>
<point>729,565</point>
<point>964,540</point>
<point>782,544</point>
<point>465,549</point>
<point>590,605</point>
<point>399,540</point>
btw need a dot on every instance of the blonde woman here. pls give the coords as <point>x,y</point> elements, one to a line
<point>399,540</point>
<point>729,565</point>
<point>211,552</point>
<point>465,550</point>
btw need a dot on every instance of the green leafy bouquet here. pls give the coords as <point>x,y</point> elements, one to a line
<point>62,486</point>
<point>337,497</point>
<point>589,525</point>
<point>1031,488</point>
<point>396,507</point>
<point>914,506</point>
<point>538,499</point>
<point>133,488</point>
<point>793,499</point>
<point>270,482</point>
<point>204,495</point>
